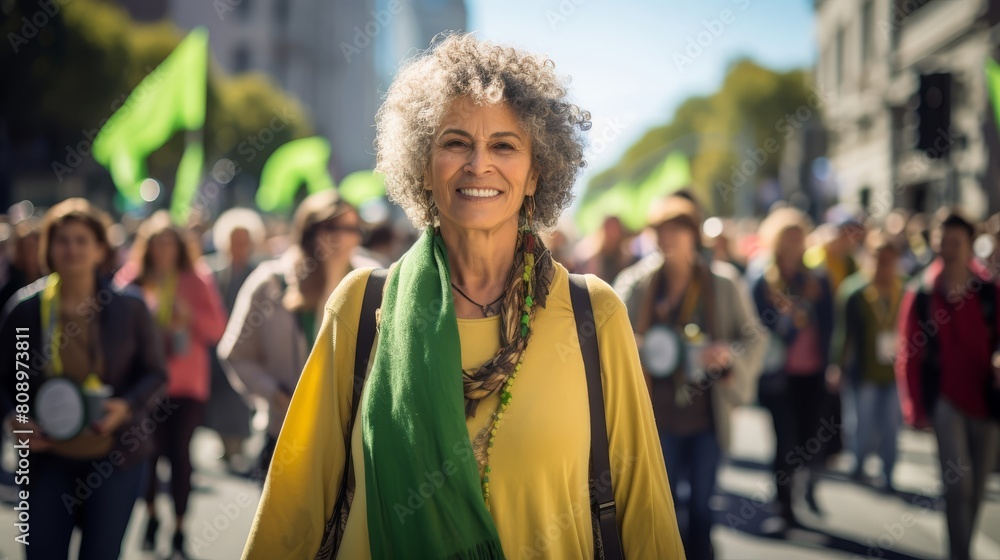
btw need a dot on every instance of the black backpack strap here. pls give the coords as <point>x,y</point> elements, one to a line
<point>930,371</point>
<point>607,543</point>
<point>366,334</point>
<point>988,305</point>
<point>333,532</point>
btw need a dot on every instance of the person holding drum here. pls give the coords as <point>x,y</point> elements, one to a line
<point>82,369</point>
<point>795,304</point>
<point>699,360</point>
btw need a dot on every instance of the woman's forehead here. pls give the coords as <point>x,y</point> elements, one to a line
<point>466,115</point>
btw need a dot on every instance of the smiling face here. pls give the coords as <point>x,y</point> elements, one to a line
<point>480,167</point>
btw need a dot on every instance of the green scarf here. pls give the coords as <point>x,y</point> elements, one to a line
<point>423,489</point>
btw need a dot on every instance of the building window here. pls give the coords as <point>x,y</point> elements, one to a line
<point>867,29</point>
<point>241,60</point>
<point>865,198</point>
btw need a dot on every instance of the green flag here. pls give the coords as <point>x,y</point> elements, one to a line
<point>299,161</point>
<point>630,201</point>
<point>616,201</point>
<point>169,99</point>
<point>361,187</point>
<point>993,84</point>
<point>188,177</point>
<point>671,175</point>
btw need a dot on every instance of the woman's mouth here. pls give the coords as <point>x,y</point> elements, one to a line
<point>479,193</point>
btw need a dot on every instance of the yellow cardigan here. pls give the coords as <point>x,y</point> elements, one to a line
<point>539,494</point>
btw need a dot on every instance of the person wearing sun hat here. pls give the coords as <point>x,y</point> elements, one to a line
<point>699,362</point>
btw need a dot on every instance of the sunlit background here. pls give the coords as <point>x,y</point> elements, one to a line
<point>836,107</point>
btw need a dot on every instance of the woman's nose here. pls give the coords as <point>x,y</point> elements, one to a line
<point>479,160</point>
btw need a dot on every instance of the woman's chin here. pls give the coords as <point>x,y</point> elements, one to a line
<point>484,223</point>
<point>478,213</point>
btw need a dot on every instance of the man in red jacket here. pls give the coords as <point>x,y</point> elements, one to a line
<point>948,325</point>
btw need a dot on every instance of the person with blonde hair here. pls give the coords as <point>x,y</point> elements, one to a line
<point>795,305</point>
<point>91,360</point>
<point>476,414</point>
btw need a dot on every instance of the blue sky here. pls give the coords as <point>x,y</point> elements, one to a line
<point>621,53</point>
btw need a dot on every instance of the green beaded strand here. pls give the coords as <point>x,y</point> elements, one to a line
<point>505,395</point>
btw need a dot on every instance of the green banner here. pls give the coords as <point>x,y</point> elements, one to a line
<point>169,99</point>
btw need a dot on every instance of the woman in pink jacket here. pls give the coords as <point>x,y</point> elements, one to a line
<point>189,312</point>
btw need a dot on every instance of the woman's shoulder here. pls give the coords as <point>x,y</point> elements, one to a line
<point>726,276</point>
<point>345,301</point>
<point>266,275</point>
<point>603,299</point>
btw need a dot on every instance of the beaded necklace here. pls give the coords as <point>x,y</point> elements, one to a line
<point>505,394</point>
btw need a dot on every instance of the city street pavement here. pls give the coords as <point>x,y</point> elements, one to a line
<point>859,522</point>
<point>221,510</point>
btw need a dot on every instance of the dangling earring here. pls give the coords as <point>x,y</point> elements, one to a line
<point>529,212</point>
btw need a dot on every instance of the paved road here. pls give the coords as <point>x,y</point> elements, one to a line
<point>858,522</point>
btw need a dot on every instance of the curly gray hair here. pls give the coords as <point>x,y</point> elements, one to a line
<point>461,65</point>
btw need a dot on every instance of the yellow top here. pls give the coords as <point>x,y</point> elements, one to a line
<point>538,484</point>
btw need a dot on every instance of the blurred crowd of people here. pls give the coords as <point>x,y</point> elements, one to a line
<point>845,329</point>
<point>841,331</point>
<point>163,347</point>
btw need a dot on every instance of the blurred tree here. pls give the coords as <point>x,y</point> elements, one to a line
<point>749,119</point>
<point>79,61</point>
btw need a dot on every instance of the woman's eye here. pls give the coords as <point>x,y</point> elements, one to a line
<point>454,144</point>
<point>504,146</point>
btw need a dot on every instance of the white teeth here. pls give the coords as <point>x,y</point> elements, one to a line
<point>479,193</point>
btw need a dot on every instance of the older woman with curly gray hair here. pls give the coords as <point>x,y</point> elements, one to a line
<point>473,431</point>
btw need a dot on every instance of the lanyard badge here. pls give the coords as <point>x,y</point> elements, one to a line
<point>60,407</point>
